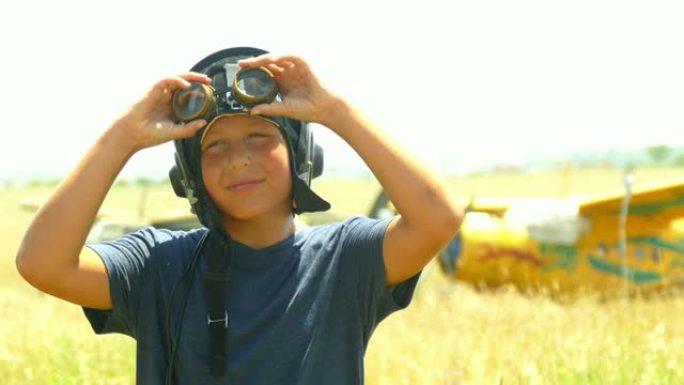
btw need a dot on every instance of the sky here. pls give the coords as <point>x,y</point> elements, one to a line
<point>460,84</point>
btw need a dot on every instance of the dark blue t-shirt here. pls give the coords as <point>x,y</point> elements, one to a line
<point>301,311</point>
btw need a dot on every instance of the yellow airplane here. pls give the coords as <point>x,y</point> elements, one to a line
<point>622,242</point>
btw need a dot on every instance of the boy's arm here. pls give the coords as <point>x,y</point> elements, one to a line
<point>427,217</point>
<point>52,256</point>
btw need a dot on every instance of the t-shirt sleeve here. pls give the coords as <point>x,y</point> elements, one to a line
<point>363,246</point>
<point>127,262</point>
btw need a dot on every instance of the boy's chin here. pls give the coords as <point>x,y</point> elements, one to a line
<point>247,214</point>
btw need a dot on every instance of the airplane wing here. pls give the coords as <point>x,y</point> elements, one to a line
<point>663,201</point>
<point>32,204</point>
<point>176,220</point>
<point>493,206</point>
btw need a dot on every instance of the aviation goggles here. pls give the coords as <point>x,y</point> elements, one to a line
<point>248,87</point>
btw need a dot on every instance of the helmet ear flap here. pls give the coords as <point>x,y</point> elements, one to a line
<point>309,155</point>
<point>317,161</point>
<point>176,182</point>
<point>181,180</point>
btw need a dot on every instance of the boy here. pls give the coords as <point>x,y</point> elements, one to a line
<point>248,299</point>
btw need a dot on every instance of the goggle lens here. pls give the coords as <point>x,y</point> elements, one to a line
<point>191,103</point>
<point>254,86</point>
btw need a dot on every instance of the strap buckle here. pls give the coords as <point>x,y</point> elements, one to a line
<point>224,320</point>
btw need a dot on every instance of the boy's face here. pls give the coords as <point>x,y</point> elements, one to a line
<point>245,168</point>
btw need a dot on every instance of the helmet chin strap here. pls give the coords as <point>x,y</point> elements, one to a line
<point>219,256</point>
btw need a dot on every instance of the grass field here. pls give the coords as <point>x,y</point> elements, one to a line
<point>451,333</point>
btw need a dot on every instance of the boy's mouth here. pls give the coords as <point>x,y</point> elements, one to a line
<point>245,185</point>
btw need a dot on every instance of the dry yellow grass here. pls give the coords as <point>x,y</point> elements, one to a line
<point>451,334</point>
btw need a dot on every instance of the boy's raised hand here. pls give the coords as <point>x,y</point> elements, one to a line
<point>150,121</point>
<point>304,95</point>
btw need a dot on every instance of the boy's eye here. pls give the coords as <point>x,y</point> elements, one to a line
<point>212,145</point>
<point>258,135</point>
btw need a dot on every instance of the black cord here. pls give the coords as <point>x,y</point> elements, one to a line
<point>173,343</point>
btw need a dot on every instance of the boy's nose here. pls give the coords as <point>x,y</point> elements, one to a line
<point>238,157</point>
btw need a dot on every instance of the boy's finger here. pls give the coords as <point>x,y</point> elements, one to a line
<point>283,61</point>
<point>256,61</point>
<point>290,61</point>
<point>189,129</point>
<point>274,68</point>
<point>195,77</point>
<point>273,109</point>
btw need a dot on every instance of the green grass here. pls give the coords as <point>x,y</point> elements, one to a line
<point>451,334</point>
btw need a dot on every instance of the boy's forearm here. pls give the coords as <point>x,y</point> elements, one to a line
<point>58,231</point>
<point>416,193</point>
